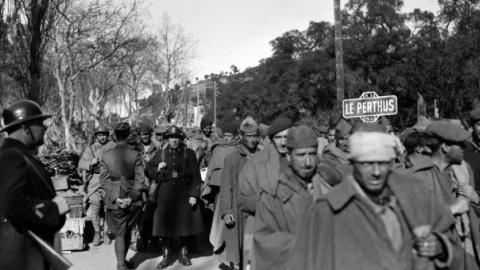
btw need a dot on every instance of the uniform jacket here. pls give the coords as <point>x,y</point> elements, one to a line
<point>228,203</point>
<point>283,200</point>
<point>95,150</point>
<point>25,202</point>
<point>342,231</point>
<point>333,156</point>
<point>122,175</point>
<point>173,215</point>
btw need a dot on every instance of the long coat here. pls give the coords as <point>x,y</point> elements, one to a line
<point>283,200</point>
<point>25,202</point>
<point>228,203</point>
<point>342,231</point>
<point>173,215</point>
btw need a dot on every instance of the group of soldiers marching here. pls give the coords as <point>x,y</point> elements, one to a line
<point>283,196</point>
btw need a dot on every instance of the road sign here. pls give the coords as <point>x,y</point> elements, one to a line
<point>369,107</point>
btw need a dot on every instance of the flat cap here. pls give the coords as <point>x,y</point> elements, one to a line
<point>279,125</point>
<point>229,128</point>
<point>263,129</point>
<point>301,137</point>
<point>447,131</point>
<point>123,126</point>
<point>144,130</point>
<point>475,114</point>
<point>160,129</point>
<point>249,125</point>
<point>343,128</point>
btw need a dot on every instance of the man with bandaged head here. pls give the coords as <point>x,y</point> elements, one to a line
<point>375,218</point>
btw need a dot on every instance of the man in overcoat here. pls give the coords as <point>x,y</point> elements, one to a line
<point>375,218</point>
<point>146,145</point>
<point>335,154</point>
<point>262,166</point>
<point>176,189</point>
<point>122,178</point>
<point>283,200</point>
<point>234,219</point>
<point>90,164</point>
<point>28,200</point>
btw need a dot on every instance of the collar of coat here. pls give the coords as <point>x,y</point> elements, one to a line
<point>420,163</point>
<point>12,143</point>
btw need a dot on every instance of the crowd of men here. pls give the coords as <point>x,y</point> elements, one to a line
<point>283,196</point>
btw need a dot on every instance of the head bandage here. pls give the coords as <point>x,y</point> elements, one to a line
<point>373,147</point>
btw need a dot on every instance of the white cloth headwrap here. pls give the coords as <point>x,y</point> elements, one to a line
<point>374,146</point>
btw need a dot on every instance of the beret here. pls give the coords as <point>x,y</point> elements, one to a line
<point>160,129</point>
<point>343,128</point>
<point>249,125</point>
<point>144,130</point>
<point>447,131</point>
<point>279,125</point>
<point>301,137</point>
<point>123,126</point>
<point>323,129</point>
<point>229,128</point>
<point>475,114</point>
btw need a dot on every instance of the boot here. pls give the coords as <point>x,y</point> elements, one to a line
<point>182,257</point>
<point>165,261</point>
<point>96,239</point>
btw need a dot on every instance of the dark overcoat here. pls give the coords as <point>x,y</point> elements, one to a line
<point>472,157</point>
<point>25,202</point>
<point>173,215</point>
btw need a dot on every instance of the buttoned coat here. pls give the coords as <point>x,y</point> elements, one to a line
<point>26,193</point>
<point>173,215</point>
<point>342,232</point>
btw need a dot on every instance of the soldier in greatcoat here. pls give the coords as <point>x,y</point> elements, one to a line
<point>27,196</point>
<point>90,164</point>
<point>122,177</point>
<point>176,191</point>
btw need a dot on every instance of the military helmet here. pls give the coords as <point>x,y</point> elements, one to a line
<point>101,129</point>
<point>21,111</point>
<point>174,130</point>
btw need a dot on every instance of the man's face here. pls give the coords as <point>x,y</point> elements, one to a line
<point>227,136</point>
<point>250,140</point>
<point>174,141</point>
<point>37,128</point>
<point>145,138</point>
<point>102,138</point>
<point>454,152</point>
<point>342,143</point>
<point>207,130</point>
<point>303,161</point>
<point>331,135</point>
<point>372,176</point>
<point>280,141</point>
<point>158,137</point>
<point>476,129</point>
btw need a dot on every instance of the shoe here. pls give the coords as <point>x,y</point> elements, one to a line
<point>106,239</point>
<point>165,261</point>
<point>96,239</point>
<point>182,257</point>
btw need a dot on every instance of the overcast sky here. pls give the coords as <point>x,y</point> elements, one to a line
<point>238,32</point>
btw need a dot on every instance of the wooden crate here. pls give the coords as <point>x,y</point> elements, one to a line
<point>71,235</point>
<point>60,182</point>
<point>74,198</point>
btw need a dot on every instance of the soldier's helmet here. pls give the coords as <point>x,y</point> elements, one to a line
<point>101,129</point>
<point>21,111</point>
<point>174,130</point>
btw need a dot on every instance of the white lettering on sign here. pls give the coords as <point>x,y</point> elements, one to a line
<point>375,106</point>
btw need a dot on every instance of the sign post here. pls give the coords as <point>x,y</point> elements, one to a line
<point>369,107</point>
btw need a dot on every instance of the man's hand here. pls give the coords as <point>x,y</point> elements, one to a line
<point>120,203</point>
<point>192,201</point>
<point>429,246</point>
<point>460,206</point>
<point>161,165</point>
<point>229,220</point>
<point>468,192</point>
<point>94,162</point>
<point>127,202</point>
<point>62,204</point>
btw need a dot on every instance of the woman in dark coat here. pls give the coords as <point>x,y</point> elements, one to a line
<point>177,184</point>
